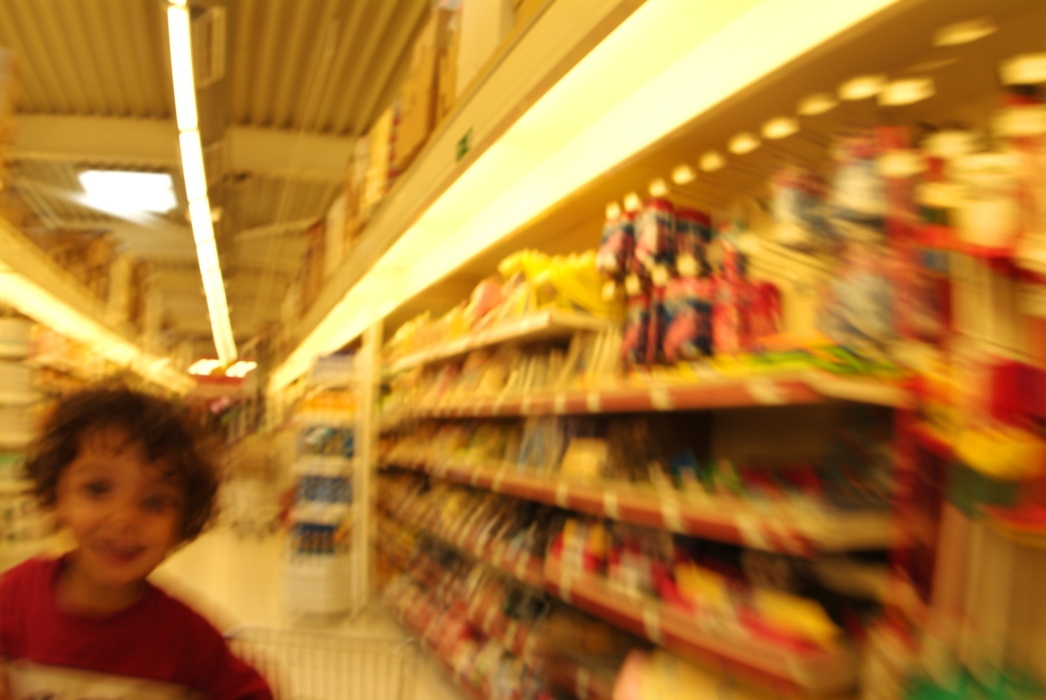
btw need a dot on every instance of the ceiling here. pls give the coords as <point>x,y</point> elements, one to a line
<point>301,79</point>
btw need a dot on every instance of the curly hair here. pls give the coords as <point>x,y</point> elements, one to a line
<point>162,430</point>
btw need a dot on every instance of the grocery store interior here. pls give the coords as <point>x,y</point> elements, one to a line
<point>556,349</point>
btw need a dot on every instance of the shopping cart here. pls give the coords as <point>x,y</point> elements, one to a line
<point>305,665</point>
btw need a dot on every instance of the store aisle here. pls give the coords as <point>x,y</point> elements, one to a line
<point>236,580</point>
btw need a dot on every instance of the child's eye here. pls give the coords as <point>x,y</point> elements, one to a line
<point>96,489</point>
<point>157,504</point>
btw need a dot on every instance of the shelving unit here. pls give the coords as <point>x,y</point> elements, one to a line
<point>814,672</point>
<point>771,527</point>
<point>544,325</point>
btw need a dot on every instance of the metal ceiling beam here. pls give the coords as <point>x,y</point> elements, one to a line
<point>153,143</point>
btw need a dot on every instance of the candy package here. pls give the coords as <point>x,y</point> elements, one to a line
<point>693,234</point>
<point>617,246</point>
<point>687,312</point>
<point>655,235</point>
<point>637,328</point>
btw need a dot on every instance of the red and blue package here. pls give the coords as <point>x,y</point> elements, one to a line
<point>687,310</point>
<point>655,235</point>
<point>637,329</point>
<point>614,258</point>
<point>693,234</point>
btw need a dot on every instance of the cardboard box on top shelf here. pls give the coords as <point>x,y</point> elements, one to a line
<point>381,136</point>
<point>447,72</point>
<point>334,241</point>
<point>356,176</point>
<point>484,25</point>
<point>417,116</point>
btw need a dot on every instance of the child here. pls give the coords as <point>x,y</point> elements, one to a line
<point>122,472</point>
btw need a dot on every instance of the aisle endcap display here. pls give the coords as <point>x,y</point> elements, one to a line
<point>769,527</point>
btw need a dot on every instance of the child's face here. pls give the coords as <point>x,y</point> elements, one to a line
<point>124,516</point>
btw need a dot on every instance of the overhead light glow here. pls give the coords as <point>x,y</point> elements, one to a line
<point>813,105</point>
<point>613,210</point>
<point>1025,69</point>
<point>743,143</point>
<point>200,216</point>
<point>781,127</point>
<point>683,175</point>
<point>126,191</point>
<point>203,368</point>
<point>862,87</point>
<point>658,188</point>
<point>594,118</point>
<point>240,369</point>
<point>632,202</point>
<point>179,37</point>
<point>45,305</point>
<point>711,161</point>
<point>906,92</point>
<point>964,32</point>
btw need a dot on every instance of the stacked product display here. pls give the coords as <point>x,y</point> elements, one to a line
<point>872,521</point>
<point>23,528</point>
<point>321,521</point>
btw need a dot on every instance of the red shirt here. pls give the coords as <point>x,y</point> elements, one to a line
<point>157,638</point>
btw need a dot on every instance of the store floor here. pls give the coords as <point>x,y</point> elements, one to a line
<point>236,580</point>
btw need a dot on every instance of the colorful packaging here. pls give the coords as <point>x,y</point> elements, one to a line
<point>637,328</point>
<point>857,187</point>
<point>655,234</point>
<point>799,211</point>
<point>655,325</point>
<point>617,247</point>
<point>687,310</point>
<point>693,234</point>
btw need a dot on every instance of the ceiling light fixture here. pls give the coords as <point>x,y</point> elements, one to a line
<point>632,202</point>
<point>683,175</point>
<point>964,32</point>
<point>125,191</point>
<point>814,105</point>
<point>594,118</point>
<point>781,127</point>
<point>658,188</point>
<point>712,161</point>
<point>180,38</point>
<point>613,210</point>
<point>743,143</point>
<point>906,92</point>
<point>862,87</point>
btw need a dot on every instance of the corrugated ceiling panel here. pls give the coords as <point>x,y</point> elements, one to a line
<point>317,65</point>
<point>262,201</point>
<point>100,57</point>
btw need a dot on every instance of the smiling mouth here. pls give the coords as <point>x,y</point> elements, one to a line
<point>119,553</point>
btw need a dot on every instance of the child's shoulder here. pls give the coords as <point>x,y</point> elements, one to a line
<point>31,571</point>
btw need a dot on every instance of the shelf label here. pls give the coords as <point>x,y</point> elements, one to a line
<point>524,405</point>
<point>671,515</point>
<point>495,485</point>
<point>463,146</point>
<point>610,504</point>
<point>561,494</point>
<point>765,391</point>
<point>660,399</point>
<point>593,402</point>
<point>582,683</point>
<point>564,587</point>
<point>495,407</point>
<point>559,404</point>
<point>652,624</point>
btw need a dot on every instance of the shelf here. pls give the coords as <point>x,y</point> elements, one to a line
<point>732,651</point>
<point>767,390</point>
<point>471,690</point>
<point>789,530</point>
<point>544,325</point>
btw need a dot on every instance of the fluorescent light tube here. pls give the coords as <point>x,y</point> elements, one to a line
<point>192,166</point>
<point>178,35</point>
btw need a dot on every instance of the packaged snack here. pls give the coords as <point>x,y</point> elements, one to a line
<point>693,234</point>
<point>655,325</point>
<point>655,233</point>
<point>637,328</point>
<point>687,309</point>
<point>857,188</point>
<point>800,219</point>
<point>617,246</point>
